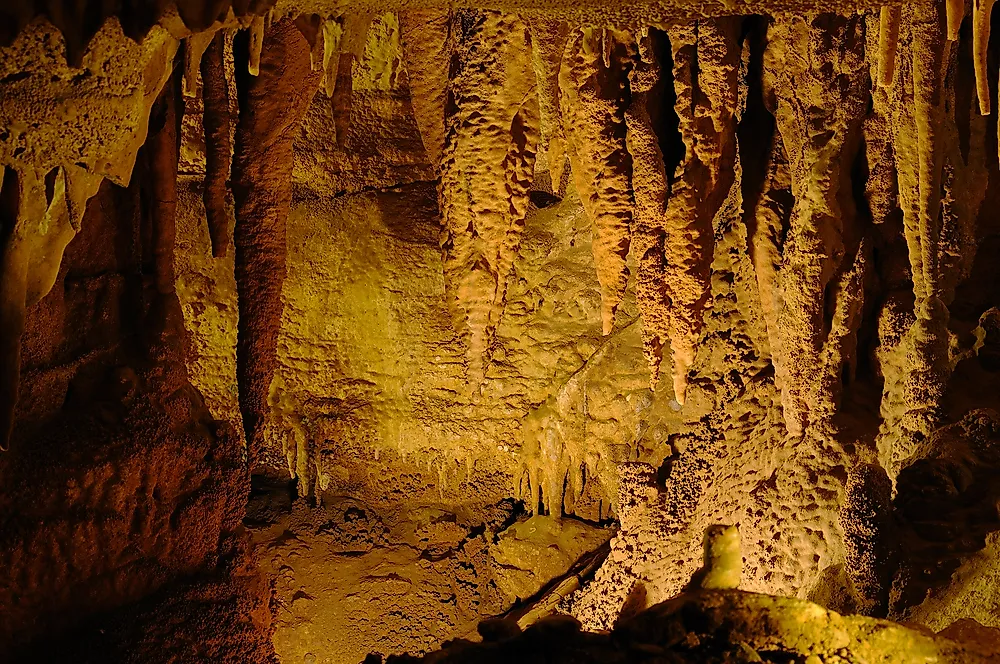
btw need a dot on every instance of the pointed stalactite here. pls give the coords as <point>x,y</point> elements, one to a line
<point>194,50</point>
<point>888,39</point>
<point>820,141</point>
<point>163,154</point>
<point>487,166</point>
<point>649,182</point>
<point>928,50</point>
<point>215,94</point>
<point>352,48</point>
<point>425,37</point>
<point>332,32</point>
<point>981,11</point>
<point>256,44</point>
<point>593,98</point>
<point>548,44</point>
<point>271,110</point>
<point>706,59</point>
<point>955,14</point>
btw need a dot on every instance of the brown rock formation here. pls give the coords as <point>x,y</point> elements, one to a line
<point>275,101</point>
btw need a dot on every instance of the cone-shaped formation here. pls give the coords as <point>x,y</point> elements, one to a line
<point>276,101</point>
<point>706,64</point>
<point>425,36</point>
<point>487,167</point>
<point>593,98</point>
<point>820,255</point>
<point>548,43</point>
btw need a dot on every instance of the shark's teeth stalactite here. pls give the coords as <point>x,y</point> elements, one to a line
<point>275,103</point>
<point>487,167</point>
<point>548,44</point>
<point>593,98</point>
<point>215,94</point>
<point>706,59</point>
<point>821,141</point>
<point>425,36</point>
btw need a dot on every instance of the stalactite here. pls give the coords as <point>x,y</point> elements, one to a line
<point>352,47</point>
<point>215,93</point>
<point>486,170</point>
<point>194,50</point>
<point>820,143</point>
<point>548,44</point>
<point>649,182</point>
<point>163,151</point>
<point>706,63</point>
<point>915,357</point>
<point>981,11</point>
<point>888,39</point>
<point>928,50</point>
<point>276,101</point>
<point>425,36</point>
<point>332,33</point>
<point>593,98</point>
<point>766,242</point>
<point>256,44</point>
<point>956,13</point>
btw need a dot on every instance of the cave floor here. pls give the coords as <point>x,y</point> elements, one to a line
<point>349,579</point>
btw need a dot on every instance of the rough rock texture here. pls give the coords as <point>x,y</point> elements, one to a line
<point>487,165</point>
<point>806,201</point>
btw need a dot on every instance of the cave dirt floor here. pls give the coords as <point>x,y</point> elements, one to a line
<point>349,579</point>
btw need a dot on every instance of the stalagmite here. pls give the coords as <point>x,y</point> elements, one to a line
<point>888,39</point>
<point>276,101</point>
<point>486,171</point>
<point>425,36</point>
<point>981,11</point>
<point>706,63</point>
<point>256,44</point>
<point>548,44</point>
<point>593,96</point>
<point>215,93</point>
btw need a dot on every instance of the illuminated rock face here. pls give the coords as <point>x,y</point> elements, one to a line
<point>446,260</point>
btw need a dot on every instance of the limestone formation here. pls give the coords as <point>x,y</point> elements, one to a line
<point>262,190</point>
<point>442,349</point>
<point>593,99</point>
